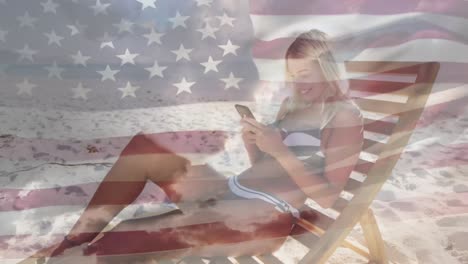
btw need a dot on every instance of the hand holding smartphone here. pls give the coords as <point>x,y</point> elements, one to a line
<point>244,111</point>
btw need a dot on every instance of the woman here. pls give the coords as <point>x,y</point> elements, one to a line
<point>309,151</point>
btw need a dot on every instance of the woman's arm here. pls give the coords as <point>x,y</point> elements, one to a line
<point>253,151</point>
<point>324,185</point>
<point>311,182</point>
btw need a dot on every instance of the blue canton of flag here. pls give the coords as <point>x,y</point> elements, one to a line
<point>114,55</point>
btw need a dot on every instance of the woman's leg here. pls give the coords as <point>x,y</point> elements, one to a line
<point>126,180</point>
<point>244,227</point>
<point>122,185</point>
<point>228,226</point>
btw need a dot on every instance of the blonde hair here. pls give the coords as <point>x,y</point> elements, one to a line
<point>314,44</point>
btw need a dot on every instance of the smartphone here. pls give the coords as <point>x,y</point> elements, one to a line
<point>244,110</point>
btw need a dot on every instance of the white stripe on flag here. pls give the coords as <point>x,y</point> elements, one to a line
<point>419,50</point>
<point>272,70</point>
<point>270,27</point>
<point>63,125</point>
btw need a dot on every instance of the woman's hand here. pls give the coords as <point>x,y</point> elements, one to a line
<point>253,151</point>
<point>267,139</point>
<point>247,136</point>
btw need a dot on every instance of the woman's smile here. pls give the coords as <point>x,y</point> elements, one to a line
<point>309,92</point>
<point>304,91</point>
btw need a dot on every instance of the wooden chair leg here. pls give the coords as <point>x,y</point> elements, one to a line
<point>373,238</point>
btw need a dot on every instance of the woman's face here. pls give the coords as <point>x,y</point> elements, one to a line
<point>307,80</point>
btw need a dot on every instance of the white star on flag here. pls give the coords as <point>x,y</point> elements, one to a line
<point>204,3</point>
<point>26,53</point>
<point>153,37</point>
<point>106,41</point>
<point>55,71</point>
<point>53,38</point>
<point>229,48</point>
<point>156,70</point>
<point>211,65</point>
<point>178,21</point>
<point>76,28</point>
<point>147,3</point>
<point>100,8</point>
<point>208,31</point>
<point>231,81</point>
<point>226,20</point>
<point>80,91</point>
<point>128,90</point>
<point>80,59</point>
<point>184,86</point>
<point>25,87</point>
<point>50,6</point>
<point>108,74</point>
<point>127,57</point>
<point>182,53</point>
<point>26,20</point>
<point>124,25</point>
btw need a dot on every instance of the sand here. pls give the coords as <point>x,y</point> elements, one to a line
<point>422,210</point>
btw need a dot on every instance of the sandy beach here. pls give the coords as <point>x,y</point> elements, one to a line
<point>422,210</point>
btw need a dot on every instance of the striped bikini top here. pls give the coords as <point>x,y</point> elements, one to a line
<point>303,143</point>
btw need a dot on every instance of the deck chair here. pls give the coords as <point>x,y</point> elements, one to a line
<point>391,109</point>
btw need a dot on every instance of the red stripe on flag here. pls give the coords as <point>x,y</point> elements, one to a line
<point>276,49</point>
<point>449,73</point>
<point>202,142</point>
<point>437,156</point>
<point>73,195</point>
<point>371,7</point>
<point>20,246</point>
<point>73,150</point>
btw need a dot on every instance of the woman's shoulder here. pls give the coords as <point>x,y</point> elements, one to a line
<point>351,106</point>
<point>347,113</point>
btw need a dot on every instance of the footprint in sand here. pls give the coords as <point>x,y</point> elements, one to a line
<point>404,206</point>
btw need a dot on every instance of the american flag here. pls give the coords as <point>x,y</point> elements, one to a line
<point>80,78</point>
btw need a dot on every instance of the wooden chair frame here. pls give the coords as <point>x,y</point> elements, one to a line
<point>358,208</point>
<point>323,242</point>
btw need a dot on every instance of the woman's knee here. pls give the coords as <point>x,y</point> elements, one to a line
<point>167,168</point>
<point>160,162</point>
<point>139,144</point>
